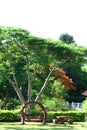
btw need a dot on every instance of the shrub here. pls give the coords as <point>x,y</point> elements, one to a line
<point>9,103</point>
<point>84,105</point>
<point>74,115</point>
<point>55,104</point>
<point>6,115</point>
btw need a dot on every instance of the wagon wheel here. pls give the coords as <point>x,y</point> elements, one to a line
<point>40,105</point>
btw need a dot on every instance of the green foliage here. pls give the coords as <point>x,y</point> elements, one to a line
<point>55,104</point>
<point>66,38</point>
<point>59,89</point>
<point>7,116</point>
<point>35,111</point>
<point>50,105</point>
<point>19,48</point>
<point>84,67</point>
<point>75,98</point>
<point>9,104</point>
<point>74,115</point>
<point>84,105</point>
<point>74,68</point>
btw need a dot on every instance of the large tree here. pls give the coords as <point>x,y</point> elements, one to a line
<point>73,58</point>
<point>25,59</point>
<point>21,58</point>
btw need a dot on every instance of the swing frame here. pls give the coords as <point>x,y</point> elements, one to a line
<point>34,118</point>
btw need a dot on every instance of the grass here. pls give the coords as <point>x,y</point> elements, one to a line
<point>39,126</point>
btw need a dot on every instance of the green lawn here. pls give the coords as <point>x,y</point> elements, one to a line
<point>39,126</point>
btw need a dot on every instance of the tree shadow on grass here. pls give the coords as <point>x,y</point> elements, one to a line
<point>17,128</point>
<point>38,126</point>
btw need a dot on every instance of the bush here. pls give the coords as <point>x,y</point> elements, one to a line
<point>55,104</point>
<point>6,115</point>
<point>9,103</point>
<point>74,115</point>
<point>84,105</point>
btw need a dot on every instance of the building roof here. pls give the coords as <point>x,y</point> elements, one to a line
<point>84,93</point>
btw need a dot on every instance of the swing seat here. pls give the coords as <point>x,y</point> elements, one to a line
<point>33,118</point>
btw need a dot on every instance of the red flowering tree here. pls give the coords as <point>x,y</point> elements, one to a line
<point>61,77</point>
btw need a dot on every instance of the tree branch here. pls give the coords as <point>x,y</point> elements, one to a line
<point>45,83</point>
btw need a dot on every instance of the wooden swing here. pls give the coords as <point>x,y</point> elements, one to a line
<point>33,118</point>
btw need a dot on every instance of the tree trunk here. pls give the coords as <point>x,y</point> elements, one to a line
<point>18,91</point>
<point>44,85</point>
<point>15,86</point>
<point>29,88</point>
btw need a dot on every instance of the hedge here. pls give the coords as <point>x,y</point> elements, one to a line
<point>7,115</point>
<point>77,116</point>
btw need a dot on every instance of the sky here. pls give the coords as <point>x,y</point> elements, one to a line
<point>47,18</point>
